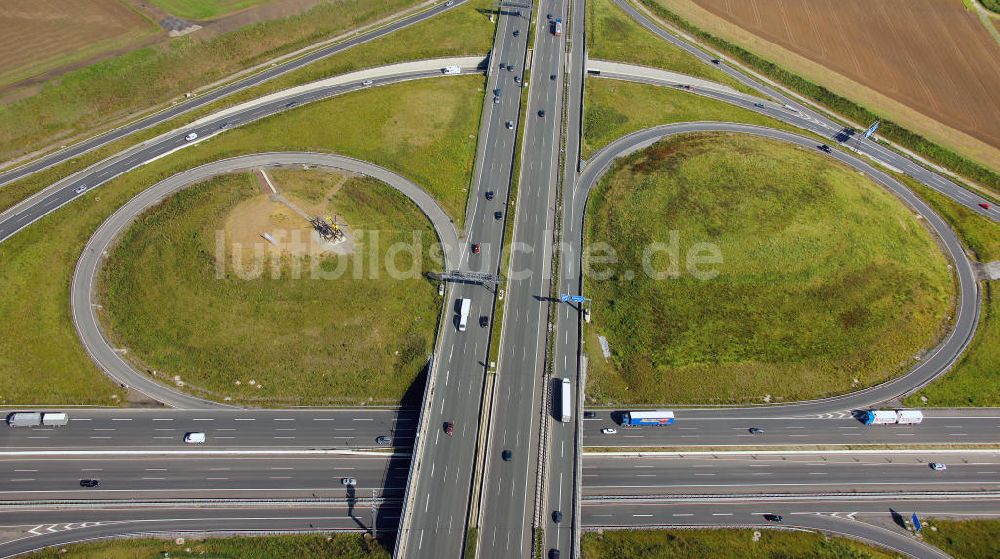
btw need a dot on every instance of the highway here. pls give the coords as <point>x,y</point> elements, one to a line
<point>438,497</point>
<point>805,473</point>
<point>84,292</point>
<point>209,476</point>
<point>510,487</point>
<point>101,431</point>
<point>213,95</point>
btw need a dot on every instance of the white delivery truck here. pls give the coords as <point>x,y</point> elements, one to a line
<point>55,419</point>
<point>463,314</point>
<point>909,417</point>
<point>566,400</point>
<point>24,419</point>
<point>451,70</point>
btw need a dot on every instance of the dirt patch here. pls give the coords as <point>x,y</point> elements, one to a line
<point>933,56</point>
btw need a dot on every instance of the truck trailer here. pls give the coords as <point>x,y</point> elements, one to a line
<point>24,419</point>
<point>658,417</point>
<point>566,401</point>
<point>892,417</point>
<point>55,419</point>
<point>463,314</point>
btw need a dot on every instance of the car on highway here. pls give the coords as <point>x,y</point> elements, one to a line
<point>609,431</point>
<point>367,82</point>
<point>517,79</point>
<point>90,483</point>
<point>552,77</point>
<point>484,321</point>
<point>824,147</point>
<point>984,205</point>
<point>589,414</point>
<point>496,100</point>
<point>489,194</point>
<point>507,455</point>
<point>382,440</point>
<point>938,466</point>
<point>291,104</point>
<point>548,16</point>
<point>517,32</point>
<point>348,481</point>
<point>510,67</point>
<point>194,438</point>
<point>80,189</point>
<point>441,288</point>
<point>773,517</point>
<point>553,553</point>
<point>191,137</point>
<point>510,125</point>
<point>475,248</point>
<point>756,431</point>
<point>498,215</point>
<point>716,61</point>
<point>449,3</point>
<point>759,105</point>
<point>449,428</point>
<point>541,112</point>
<point>557,516</point>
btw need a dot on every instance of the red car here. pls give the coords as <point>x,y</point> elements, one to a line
<point>449,428</point>
<point>984,206</point>
<point>475,248</point>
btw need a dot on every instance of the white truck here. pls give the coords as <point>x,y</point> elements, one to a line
<point>24,419</point>
<point>893,417</point>
<point>463,314</point>
<point>566,401</point>
<point>55,419</point>
<point>451,70</point>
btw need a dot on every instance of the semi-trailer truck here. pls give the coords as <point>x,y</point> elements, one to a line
<point>566,400</point>
<point>24,419</point>
<point>892,417</point>
<point>658,417</point>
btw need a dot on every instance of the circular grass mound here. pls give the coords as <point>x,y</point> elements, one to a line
<point>195,292</point>
<point>809,279</point>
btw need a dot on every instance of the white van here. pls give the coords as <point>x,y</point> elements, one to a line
<point>191,137</point>
<point>450,70</point>
<point>194,438</point>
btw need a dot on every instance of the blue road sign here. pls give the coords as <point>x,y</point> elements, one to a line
<point>916,523</point>
<point>578,298</point>
<point>564,298</point>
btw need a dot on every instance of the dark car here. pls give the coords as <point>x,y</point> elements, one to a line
<point>716,61</point>
<point>541,113</point>
<point>507,456</point>
<point>552,77</point>
<point>89,483</point>
<point>756,430</point>
<point>291,103</point>
<point>489,194</point>
<point>553,554</point>
<point>517,32</point>
<point>475,248</point>
<point>589,414</point>
<point>510,67</point>
<point>498,215</point>
<point>773,517</point>
<point>449,428</point>
<point>556,516</point>
<point>484,321</point>
<point>824,147</point>
<point>383,440</point>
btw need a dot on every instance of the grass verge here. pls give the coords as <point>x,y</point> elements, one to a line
<point>966,539</point>
<point>974,380</point>
<point>342,546</point>
<point>849,109</point>
<point>87,99</point>
<point>607,118</point>
<point>202,9</point>
<point>819,280</point>
<point>424,129</point>
<point>471,542</point>
<point>723,544</point>
<point>354,332</point>
<point>612,35</point>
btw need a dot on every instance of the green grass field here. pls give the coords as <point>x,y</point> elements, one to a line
<point>423,129</point>
<point>203,9</point>
<point>974,380</point>
<point>615,108</point>
<point>85,100</point>
<point>965,539</point>
<point>358,337</point>
<point>980,235</point>
<point>826,282</point>
<point>613,35</point>
<point>341,546</point>
<point>722,544</point>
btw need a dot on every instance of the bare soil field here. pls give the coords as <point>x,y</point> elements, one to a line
<point>927,64</point>
<point>38,35</point>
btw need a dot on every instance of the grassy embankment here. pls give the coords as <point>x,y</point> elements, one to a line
<point>358,336</point>
<point>723,544</point>
<point>965,539</point>
<point>991,5</point>
<point>461,31</point>
<point>341,546</point>
<point>826,282</point>
<point>203,9</point>
<point>88,99</point>
<point>425,130</point>
<point>846,107</point>
<point>612,35</point>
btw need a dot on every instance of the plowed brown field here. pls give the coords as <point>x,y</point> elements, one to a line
<point>931,56</point>
<point>37,35</point>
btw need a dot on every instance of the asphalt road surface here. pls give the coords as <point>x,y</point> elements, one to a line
<point>820,473</point>
<point>209,97</point>
<point>436,507</point>
<point>100,431</point>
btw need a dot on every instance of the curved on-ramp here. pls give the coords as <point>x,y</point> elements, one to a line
<point>83,299</point>
<point>941,358</point>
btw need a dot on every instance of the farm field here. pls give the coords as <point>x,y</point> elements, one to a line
<point>204,9</point>
<point>825,284</point>
<point>424,129</point>
<point>723,544</point>
<point>267,330</point>
<point>880,55</point>
<point>39,35</point>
